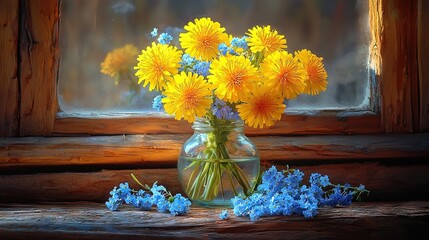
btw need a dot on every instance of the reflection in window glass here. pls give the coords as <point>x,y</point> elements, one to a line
<point>98,33</point>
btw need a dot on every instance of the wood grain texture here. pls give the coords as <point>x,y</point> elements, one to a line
<point>395,39</point>
<point>302,123</point>
<point>39,66</point>
<point>146,150</point>
<point>387,182</point>
<point>9,83</point>
<point>423,60</point>
<point>401,220</point>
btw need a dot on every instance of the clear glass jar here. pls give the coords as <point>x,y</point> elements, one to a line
<point>217,163</point>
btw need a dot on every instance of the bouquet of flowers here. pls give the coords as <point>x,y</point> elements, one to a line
<point>220,79</point>
<point>252,75</point>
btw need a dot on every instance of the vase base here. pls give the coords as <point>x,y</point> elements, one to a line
<point>213,204</point>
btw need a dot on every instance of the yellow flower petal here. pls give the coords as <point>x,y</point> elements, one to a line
<point>157,65</point>
<point>188,96</point>
<point>316,75</point>
<point>263,39</point>
<point>284,73</point>
<point>202,38</point>
<point>262,107</point>
<point>231,76</point>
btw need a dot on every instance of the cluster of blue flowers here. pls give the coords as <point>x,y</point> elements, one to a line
<point>284,194</point>
<point>157,103</point>
<point>159,197</point>
<point>236,43</point>
<point>163,38</point>
<point>222,111</point>
<point>190,64</point>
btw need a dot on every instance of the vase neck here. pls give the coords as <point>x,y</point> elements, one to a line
<point>206,125</point>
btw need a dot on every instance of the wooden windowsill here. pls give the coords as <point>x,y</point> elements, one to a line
<point>395,220</point>
<point>163,149</point>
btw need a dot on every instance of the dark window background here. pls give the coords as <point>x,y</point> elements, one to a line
<point>336,30</point>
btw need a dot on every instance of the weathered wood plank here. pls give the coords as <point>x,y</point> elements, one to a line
<point>395,39</point>
<point>39,65</point>
<point>9,86</point>
<point>401,220</point>
<point>323,122</point>
<point>386,182</point>
<point>423,60</point>
<point>146,150</point>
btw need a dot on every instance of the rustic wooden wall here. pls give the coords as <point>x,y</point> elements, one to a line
<point>9,72</point>
<point>38,66</point>
<point>394,24</point>
<point>423,61</point>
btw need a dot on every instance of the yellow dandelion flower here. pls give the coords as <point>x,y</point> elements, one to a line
<point>263,39</point>
<point>202,38</point>
<point>284,73</point>
<point>188,96</point>
<point>231,76</point>
<point>262,107</point>
<point>119,60</point>
<point>157,65</point>
<point>316,74</point>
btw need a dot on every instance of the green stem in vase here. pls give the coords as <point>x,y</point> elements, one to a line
<point>205,182</point>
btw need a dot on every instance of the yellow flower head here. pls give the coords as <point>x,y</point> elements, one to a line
<point>188,96</point>
<point>157,65</point>
<point>263,39</point>
<point>262,107</point>
<point>119,60</point>
<point>202,38</point>
<point>284,73</point>
<point>316,74</point>
<point>231,76</point>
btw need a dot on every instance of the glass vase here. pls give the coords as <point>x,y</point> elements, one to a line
<point>217,163</point>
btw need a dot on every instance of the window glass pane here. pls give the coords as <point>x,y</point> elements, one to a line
<point>336,30</point>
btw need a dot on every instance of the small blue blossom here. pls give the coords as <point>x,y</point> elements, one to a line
<point>202,68</point>
<point>222,111</point>
<point>239,43</point>
<point>157,188</point>
<point>143,203</point>
<point>223,48</point>
<point>187,62</point>
<point>163,205</point>
<point>187,59</point>
<point>338,198</point>
<point>180,205</point>
<point>318,179</point>
<point>154,32</point>
<point>223,214</point>
<point>130,199</point>
<point>324,181</point>
<point>165,38</point>
<point>113,203</point>
<point>361,188</point>
<point>157,103</point>
<point>124,190</point>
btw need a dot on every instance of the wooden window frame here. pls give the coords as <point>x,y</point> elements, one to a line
<point>29,107</point>
<point>40,53</point>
